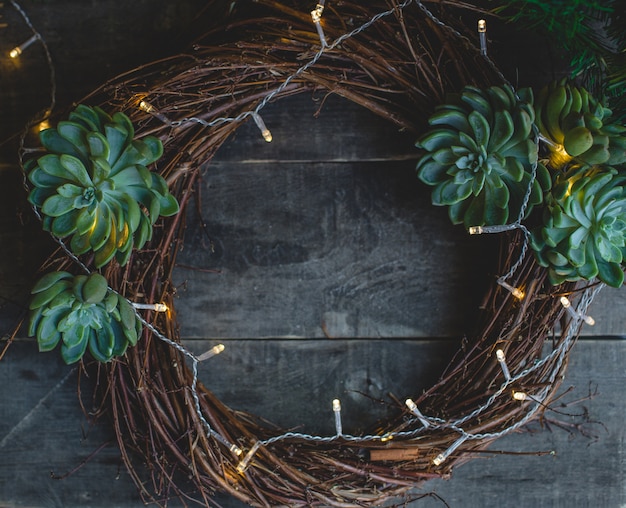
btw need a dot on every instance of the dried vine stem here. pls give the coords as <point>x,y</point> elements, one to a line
<point>398,68</point>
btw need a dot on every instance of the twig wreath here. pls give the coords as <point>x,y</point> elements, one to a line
<point>129,167</point>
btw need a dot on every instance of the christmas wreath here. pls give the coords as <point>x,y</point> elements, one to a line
<point>543,168</point>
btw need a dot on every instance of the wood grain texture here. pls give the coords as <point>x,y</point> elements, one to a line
<point>90,42</point>
<point>325,232</point>
<point>42,429</point>
<point>322,233</point>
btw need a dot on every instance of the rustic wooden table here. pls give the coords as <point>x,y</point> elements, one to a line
<point>322,267</point>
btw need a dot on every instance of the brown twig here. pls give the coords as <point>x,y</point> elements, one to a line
<point>399,76</point>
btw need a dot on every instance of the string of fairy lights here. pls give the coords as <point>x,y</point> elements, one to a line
<point>418,422</point>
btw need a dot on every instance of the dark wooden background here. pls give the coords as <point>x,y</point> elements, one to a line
<point>322,267</point>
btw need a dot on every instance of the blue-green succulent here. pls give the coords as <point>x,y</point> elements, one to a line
<point>479,156</point>
<point>79,312</point>
<point>583,234</point>
<point>94,184</point>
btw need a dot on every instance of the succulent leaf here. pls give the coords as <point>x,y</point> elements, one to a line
<point>579,126</point>
<point>480,150</point>
<point>79,312</point>
<point>94,185</point>
<point>584,228</point>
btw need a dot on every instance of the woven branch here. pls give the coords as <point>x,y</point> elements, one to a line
<point>398,68</point>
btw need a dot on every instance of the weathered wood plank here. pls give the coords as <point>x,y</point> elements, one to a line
<point>582,472</point>
<point>90,42</point>
<point>42,428</point>
<point>324,232</point>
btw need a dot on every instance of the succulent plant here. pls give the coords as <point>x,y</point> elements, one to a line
<point>578,125</point>
<point>94,184</point>
<point>479,156</point>
<point>80,312</point>
<point>584,227</point>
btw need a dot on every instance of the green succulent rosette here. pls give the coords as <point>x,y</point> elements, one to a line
<point>94,185</point>
<point>578,125</point>
<point>583,235</point>
<point>479,156</point>
<point>80,312</point>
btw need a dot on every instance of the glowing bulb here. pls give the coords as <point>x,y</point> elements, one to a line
<point>43,125</point>
<point>232,447</point>
<point>316,13</point>
<point>559,156</point>
<point>243,465</point>
<point>18,50</point>
<point>414,409</point>
<point>316,16</point>
<point>567,305</point>
<point>157,307</point>
<point>146,106</point>
<point>521,396</point>
<point>337,411</point>
<point>589,320</point>
<point>215,350</point>
<point>499,228</point>
<point>502,361</point>
<point>265,132</point>
<point>482,36</point>
<point>440,459</point>
<point>386,437</point>
<point>516,292</point>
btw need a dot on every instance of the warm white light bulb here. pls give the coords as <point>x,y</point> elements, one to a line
<point>18,50</point>
<point>43,125</point>
<point>243,465</point>
<point>316,16</point>
<point>337,411</point>
<point>589,320</point>
<point>265,132</point>
<point>439,459</point>
<point>502,361</point>
<point>215,350</point>
<point>411,405</point>
<point>415,410</point>
<point>146,106</point>
<point>516,292</point>
<point>157,307</point>
<point>567,305</point>
<point>521,396</point>
<point>482,36</point>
